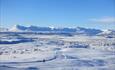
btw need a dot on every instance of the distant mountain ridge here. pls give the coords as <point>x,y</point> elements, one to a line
<point>76,30</point>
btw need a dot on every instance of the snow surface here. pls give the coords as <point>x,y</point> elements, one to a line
<point>57,52</point>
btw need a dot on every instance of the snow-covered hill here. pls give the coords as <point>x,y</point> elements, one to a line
<point>107,33</point>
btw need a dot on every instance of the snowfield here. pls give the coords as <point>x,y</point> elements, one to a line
<point>56,52</point>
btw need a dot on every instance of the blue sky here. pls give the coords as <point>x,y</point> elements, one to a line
<point>98,14</point>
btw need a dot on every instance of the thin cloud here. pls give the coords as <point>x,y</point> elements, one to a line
<point>104,20</point>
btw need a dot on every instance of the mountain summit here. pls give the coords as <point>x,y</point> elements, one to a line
<point>18,28</point>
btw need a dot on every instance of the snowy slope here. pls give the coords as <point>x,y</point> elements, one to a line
<point>57,52</point>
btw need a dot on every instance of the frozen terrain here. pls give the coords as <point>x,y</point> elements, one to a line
<point>34,51</point>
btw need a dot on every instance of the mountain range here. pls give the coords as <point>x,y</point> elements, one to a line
<point>77,30</point>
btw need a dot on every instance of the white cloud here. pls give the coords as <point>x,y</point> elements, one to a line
<point>104,20</point>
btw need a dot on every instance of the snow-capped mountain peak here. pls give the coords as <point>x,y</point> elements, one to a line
<point>17,28</point>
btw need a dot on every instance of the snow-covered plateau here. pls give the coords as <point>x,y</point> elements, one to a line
<point>68,51</point>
